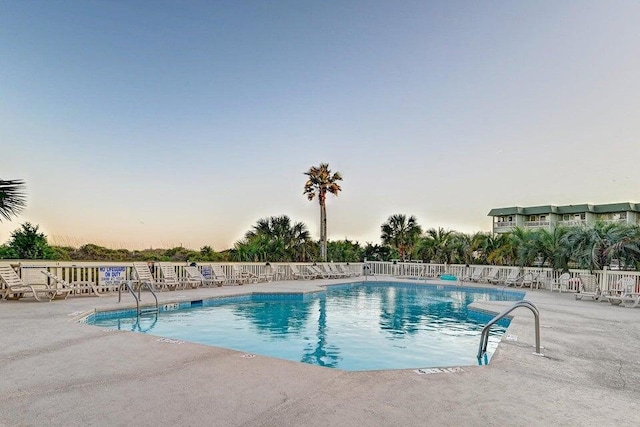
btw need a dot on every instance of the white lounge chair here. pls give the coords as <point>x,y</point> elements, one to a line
<point>472,273</point>
<point>346,270</point>
<point>194,274</point>
<point>15,288</point>
<point>268,274</point>
<point>561,284</point>
<point>300,272</point>
<point>144,275</point>
<point>493,276</point>
<point>588,287</point>
<point>629,297</point>
<point>621,287</point>
<point>246,276</point>
<point>513,278</point>
<point>77,287</point>
<point>526,280</point>
<point>218,274</point>
<point>170,277</point>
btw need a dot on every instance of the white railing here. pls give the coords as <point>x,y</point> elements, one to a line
<point>108,275</point>
<point>537,223</point>
<point>543,277</point>
<point>573,223</point>
<point>504,224</point>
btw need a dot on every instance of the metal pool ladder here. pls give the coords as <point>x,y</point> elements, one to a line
<point>484,337</point>
<point>139,310</point>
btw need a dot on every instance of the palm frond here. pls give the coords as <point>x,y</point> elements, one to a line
<point>12,198</point>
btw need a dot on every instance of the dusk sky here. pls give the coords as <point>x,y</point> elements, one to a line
<point>162,123</point>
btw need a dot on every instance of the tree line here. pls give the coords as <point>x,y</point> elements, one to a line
<point>279,239</point>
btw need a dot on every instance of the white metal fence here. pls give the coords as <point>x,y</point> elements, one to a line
<point>107,275</point>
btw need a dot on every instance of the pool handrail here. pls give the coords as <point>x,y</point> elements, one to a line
<point>484,336</point>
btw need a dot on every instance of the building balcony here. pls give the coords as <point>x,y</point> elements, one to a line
<point>573,223</point>
<point>504,224</point>
<point>537,224</point>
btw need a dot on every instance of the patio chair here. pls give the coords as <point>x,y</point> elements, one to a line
<point>526,280</point>
<point>15,288</point>
<point>238,272</point>
<point>77,287</point>
<point>144,275</point>
<point>268,273</point>
<point>588,287</point>
<point>194,274</point>
<point>332,269</point>
<point>561,284</point>
<point>493,276</point>
<point>474,274</point>
<point>348,272</point>
<point>300,272</point>
<point>629,297</point>
<point>170,277</point>
<point>540,279</point>
<point>622,286</point>
<point>318,272</point>
<point>513,278</point>
<point>219,274</point>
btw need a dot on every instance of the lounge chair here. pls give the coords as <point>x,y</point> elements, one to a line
<point>144,275</point>
<point>628,296</point>
<point>493,276</point>
<point>194,274</point>
<point>77,287</point>
<point>15,288</point>
<point>170,277</point>
<point>526,280</point>
<point>219,274</point>
<point>540,279</point>
<point>588,287</point>
<point>268,274</point>
<point>318,271</point>
<point>238,272</point>
<point>473,274</point>
<point>561,284</point>
<point>346,270</point>
<point>621,287</point>
<point>513,278</point>
<point>300,272</point>
<point>331,267</point>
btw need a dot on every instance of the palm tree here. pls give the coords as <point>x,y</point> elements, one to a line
<point>12,198</point>
<point>440,241</point>
<point>401,233</point>
<point>321,182</point>
<point>594,247</point>
<point>274,238</point>
<point>549,248</point>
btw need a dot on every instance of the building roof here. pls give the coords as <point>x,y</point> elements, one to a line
<point>566,209</point>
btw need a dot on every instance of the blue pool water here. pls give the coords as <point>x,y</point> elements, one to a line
<point>363,326</point>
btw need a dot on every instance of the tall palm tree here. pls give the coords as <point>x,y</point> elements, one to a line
<point>401,233</point>
<point>12,198</point>
<point>321,181</point>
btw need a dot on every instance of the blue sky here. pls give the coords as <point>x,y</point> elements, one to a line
<point>159,123</point>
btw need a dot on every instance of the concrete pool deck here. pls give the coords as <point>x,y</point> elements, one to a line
<point>54,371</point>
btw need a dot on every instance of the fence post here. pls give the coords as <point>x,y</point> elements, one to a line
<point>604,285</point>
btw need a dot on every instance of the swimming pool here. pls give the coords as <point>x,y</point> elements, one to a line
<point>355,327</point>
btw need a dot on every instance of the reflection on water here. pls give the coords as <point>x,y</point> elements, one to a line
<point>366,326</point>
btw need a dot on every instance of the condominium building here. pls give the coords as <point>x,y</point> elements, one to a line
<point>549,216</point>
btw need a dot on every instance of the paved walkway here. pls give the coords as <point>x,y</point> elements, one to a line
<point>56,372</point>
